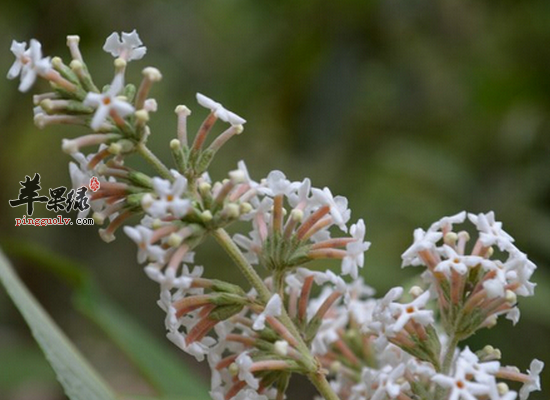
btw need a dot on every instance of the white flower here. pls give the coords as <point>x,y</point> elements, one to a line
<point>177,338</point>
<point>169,198</point>
<point>108,102</point>
<point>219,111</point>
<point>80,176</point>
<point>142,237</point>
<point>129,48</point>
<point>19,51</point>
<point>355,250</point>
<point>183,281</point>
<point>250,394</point>
<point>361,306</point>
<point>28,63</point>
<point>295,281</point>
<point>456,262</point>
<point>411,311</point>
<point>387,381</point>
<point>300,197</point>
<point>513,315</point>
<point>276,183</point>
<point>534,379</point>
<point>468,363</point>
<point>446,223</point>
<point>273,308</point>
<point>420,368</point>
<point>168,280</point>
<point>494,288</point>
<point>218,377</point>
<point>422,241</point>
<point>242,167</point>
<point>252,245</point>
<point>338,206</point>
<point>491,232</point>
<point>328,334</point>
<point>392,295</point>
<point>321,278</point>
<point>461,388</point>
<point>200,349</point>
<point>244,362</point>
<point>197,349</point>
<point>382,316</point>
<point>518,270</point>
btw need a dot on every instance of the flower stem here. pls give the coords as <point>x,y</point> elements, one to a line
<point>152,159</point>
<point>247,270</point>
<point>447,362</point>
<point>254,279</point>
<point>315,374</point>
<point>278,283</point>
<point>449,354</point>
<point>322,385</point>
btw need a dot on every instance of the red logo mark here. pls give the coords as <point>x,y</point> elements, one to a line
<point>94,184</point>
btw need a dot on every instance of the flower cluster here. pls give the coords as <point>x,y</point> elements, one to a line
<point>279,244</point>
<point>295,319</point>
<point>402,349</point>
<point>473,288</point>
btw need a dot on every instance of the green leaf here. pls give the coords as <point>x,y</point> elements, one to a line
<point>22,364</point>
<point>162,368</point>
<point>78,378</point>
<point>40,257</point>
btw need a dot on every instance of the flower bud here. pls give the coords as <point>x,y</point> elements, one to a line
<point>281,347</point>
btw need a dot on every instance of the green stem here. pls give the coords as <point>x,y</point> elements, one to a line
<point>152,159</point>
<point>322,385</point>
<point>279,283</point>
<point>449,354</point>
<point>248,271</point>
<point>447,363</point>
<point>312,365</point>
<point>265,294</point>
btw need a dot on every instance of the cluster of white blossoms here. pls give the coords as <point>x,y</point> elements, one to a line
<point>295,319</point>
<point>406,350</point>
<point>479,284</point>
<point>279,244</point>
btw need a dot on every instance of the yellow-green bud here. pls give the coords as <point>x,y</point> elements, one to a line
<point>152,74</point>
<point>233,369</point>
<point>99,218</point>
<point>115,148</point>
<point>281,347</point>
<point>175,144</point>
<point>206,216</point>
<point>174,240</point>
<point>142,116</point>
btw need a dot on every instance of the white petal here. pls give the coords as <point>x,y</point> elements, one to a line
<point>207,102</point>
<point>112,44</point>
<point>99,117</point>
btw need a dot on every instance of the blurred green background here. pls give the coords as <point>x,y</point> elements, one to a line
<point>411,109</point>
